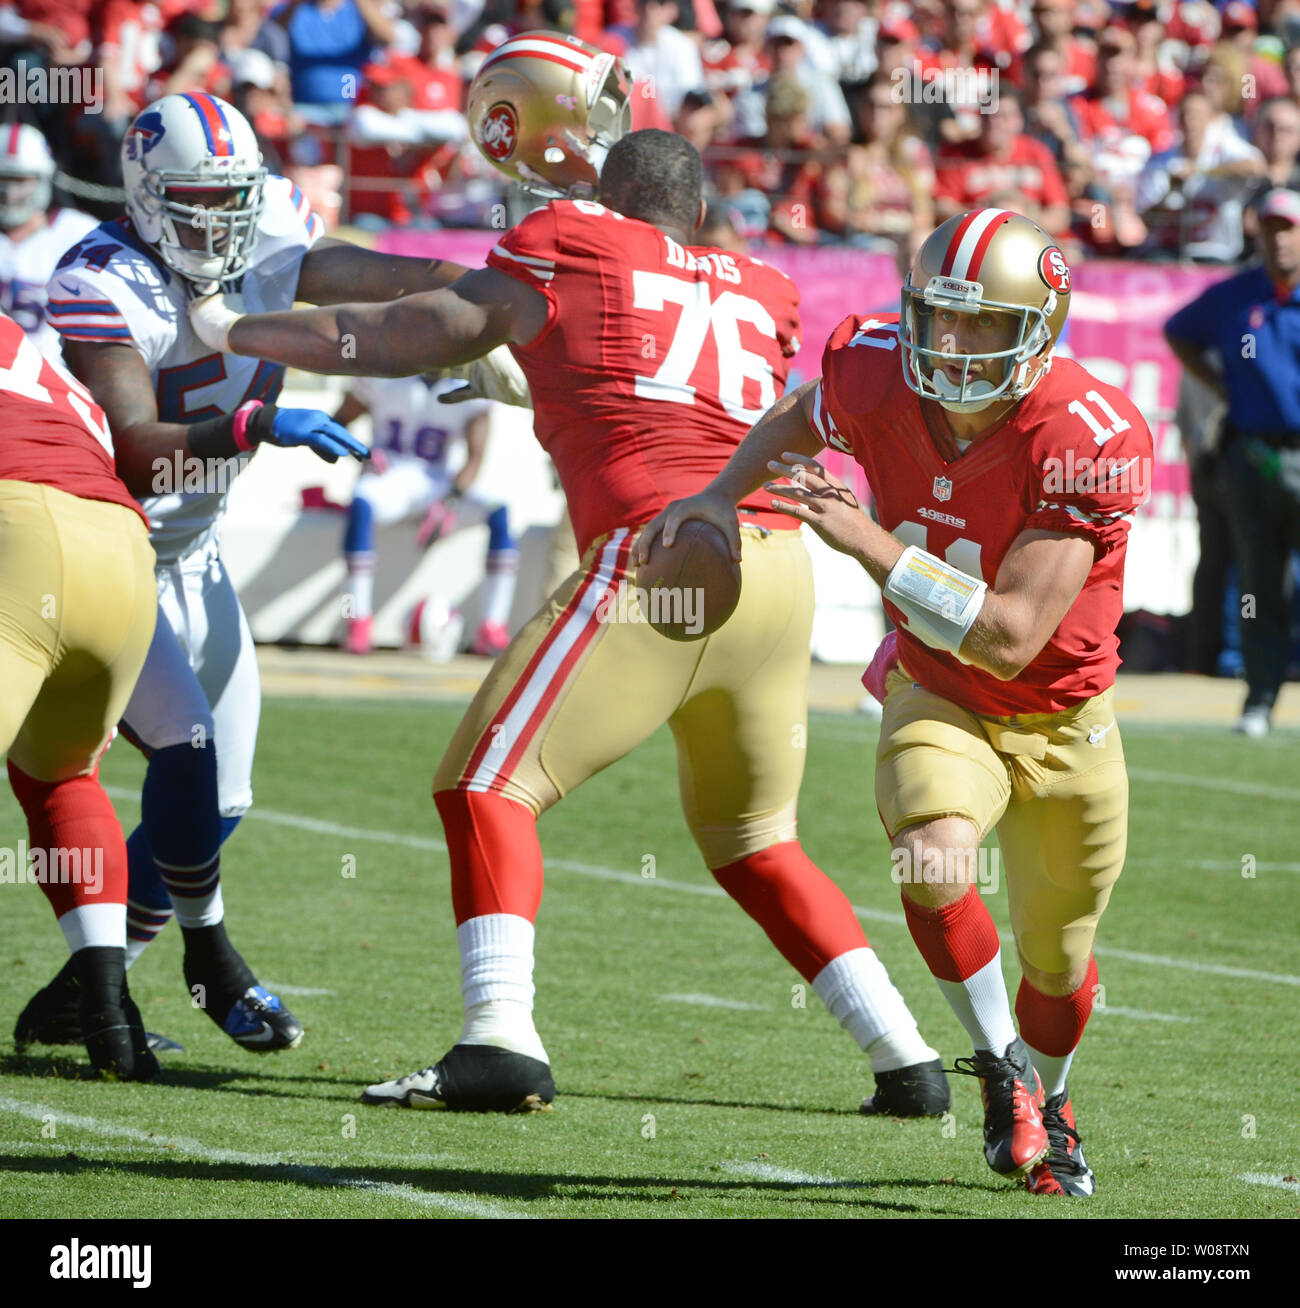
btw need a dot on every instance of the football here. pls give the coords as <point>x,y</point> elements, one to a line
<point>691,589</point>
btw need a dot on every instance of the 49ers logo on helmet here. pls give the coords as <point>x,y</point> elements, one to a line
<point>1054,271</point>
<point>499,133</point>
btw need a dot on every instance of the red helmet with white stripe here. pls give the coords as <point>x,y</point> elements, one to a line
<point>546,109</point>
<point>194,177</point>
<point>984,261</point>
<point>26,174</point>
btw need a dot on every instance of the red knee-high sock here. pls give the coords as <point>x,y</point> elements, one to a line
<point>1053,1024</point>
<point>805,914</point>
<point>496,859</point>
<point>74,815</point>
<point>956,940</point>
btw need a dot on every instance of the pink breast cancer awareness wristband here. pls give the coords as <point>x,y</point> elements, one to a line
<point>242,415</point>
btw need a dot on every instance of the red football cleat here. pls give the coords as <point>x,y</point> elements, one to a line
<point>1014,1135</point>
<point>491,639</point>
<point>357,641</point>
<point>1064,1170</point>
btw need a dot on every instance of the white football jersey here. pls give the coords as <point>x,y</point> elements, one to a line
<point>27,265</point>
<point>407,420</point>
<point>111,287</point>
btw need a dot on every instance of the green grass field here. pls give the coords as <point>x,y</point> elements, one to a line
<point>691,1084</point>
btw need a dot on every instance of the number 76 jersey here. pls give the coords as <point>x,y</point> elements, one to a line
<point>1073,457</point>
<point>654,362</point>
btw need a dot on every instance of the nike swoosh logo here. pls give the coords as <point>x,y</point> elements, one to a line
<point>1115,472</point>
<point>1098,734</point>
<point>67,290</point>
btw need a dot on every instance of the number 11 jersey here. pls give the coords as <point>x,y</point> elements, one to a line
<point>654,362</point>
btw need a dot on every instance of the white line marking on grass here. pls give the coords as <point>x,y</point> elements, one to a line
<point>1118,1010</point>
<point>716,892</point>
<point>272,1162</point>
<point>769,1172</point>
<point>713,1001</point>
<point>307,992</point>
<point>1278,1182</point>
<point>1223,784</point>
<point>1212,864</point>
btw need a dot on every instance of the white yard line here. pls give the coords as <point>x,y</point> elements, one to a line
<point>311,1175</point>
<point>770,1172</point>
<point>1277,1182</point>
<point>306,992</point>
<point>1141,1014</point>
<point>714,1001</point>
<point>318,827</point>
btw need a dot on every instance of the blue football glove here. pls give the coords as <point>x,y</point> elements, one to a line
<point>310,427</point>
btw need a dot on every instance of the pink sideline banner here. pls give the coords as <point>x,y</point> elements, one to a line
<point>1116,326</point>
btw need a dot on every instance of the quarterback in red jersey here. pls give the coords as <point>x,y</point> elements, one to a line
<point>1004,481</point>
<point>77,610</point>
<point>648,358</point>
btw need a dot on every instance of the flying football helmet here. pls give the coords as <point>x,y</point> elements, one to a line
<point>26,174</point>
<point>984,260</point>
<point>546,109</point>
<point>194,178</point>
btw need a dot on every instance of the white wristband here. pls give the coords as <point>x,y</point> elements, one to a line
<point>212,317</point>
<point>939,602</point>
<point>497,376</point>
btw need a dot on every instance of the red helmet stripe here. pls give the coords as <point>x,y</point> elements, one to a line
<point>12,147</point>
<point>971,241</point>
<point>218,136</point>
<point>552,51</point>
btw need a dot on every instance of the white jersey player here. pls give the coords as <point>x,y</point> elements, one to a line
<point>33,236</point>
<point>201,213</point>
<point>413,437</point>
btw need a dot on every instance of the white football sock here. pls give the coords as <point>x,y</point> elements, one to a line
<point>94,925</point>
<point>196,911</point>
<point>982,1006</point>
<point>496,981</point>
<point>1051,1071</point>
<point>134,948</point>
<point>499,585</point>
<point>360,587</point>
<point>860,996</point>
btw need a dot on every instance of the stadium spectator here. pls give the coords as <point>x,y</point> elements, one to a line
<point>330,41</point>
<point>58,31</point>
<point>261,93</point>
<point>1192,196</point>
<point>1053,28</point>
<point>1157,72</point>
<point>1276,134</point>
<point>1002,158</point>
<point>719,229</point>
<point>738,61</point>
<point>1261,456</point>
<point>1101,222</point>
<point>828,113</point>
<point>890,175</point>
<point>191,60</point>
<point>971,40</point>
<point>1222,80</point>
<point>846,32</point>
<point>1048,115</point>
<point>246,27</point>
<point>703,119</point>
<point>663,61</point>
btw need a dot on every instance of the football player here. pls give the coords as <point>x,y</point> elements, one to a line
<point>647,360</point>
<point>33,236</point>
<point>1005,482</point>
<point>201,212</point>
<point>77,607</point>
<point>412,437</point>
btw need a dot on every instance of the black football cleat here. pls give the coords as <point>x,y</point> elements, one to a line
<point>1015,1138</point>
<point>53,1017</point>
<point>1064,1170</point>
<point>472,1079</point>
<point>917,1091</point>
<point>110,1022</point>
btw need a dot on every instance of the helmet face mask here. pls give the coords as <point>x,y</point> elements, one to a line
<point>1021,275</point>
<point>194,182</point>
<point>545,109</point>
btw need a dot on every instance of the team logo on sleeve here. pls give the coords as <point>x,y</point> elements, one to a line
<point>146,133</point>
<point>499,133</point>
<point>1054,271</point>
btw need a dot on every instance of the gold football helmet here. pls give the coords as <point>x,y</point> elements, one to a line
<point>546,108</point>
<point>984,260</point>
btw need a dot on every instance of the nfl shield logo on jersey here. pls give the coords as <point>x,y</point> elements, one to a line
<point>942,488</point>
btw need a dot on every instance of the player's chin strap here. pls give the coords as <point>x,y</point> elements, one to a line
<point>213,316</point>
<point>939,602</point>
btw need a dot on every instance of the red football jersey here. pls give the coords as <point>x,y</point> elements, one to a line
<point>655,360</point>
<point>54,433</point>
<point>1074,456</point>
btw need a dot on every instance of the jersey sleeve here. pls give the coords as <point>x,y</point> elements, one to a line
<point>1088,489</point>
<point>849,382</point>
<point>101,307</point>
<point>288,213</point>
<point>530,252</point>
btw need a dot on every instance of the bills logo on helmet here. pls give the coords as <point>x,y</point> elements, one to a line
<point>500,132</point>
<point>1053,270</point>
<point>146,133</point>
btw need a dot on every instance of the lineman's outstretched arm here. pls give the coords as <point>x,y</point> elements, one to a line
<point>337,272</point>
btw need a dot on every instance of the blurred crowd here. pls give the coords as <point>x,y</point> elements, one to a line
<point>1139,129</point>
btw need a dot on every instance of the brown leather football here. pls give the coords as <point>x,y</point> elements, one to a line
<point>690,590</point>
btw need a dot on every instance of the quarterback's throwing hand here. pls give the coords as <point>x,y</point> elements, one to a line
<point>820,499</point>
<point>704,507</point>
